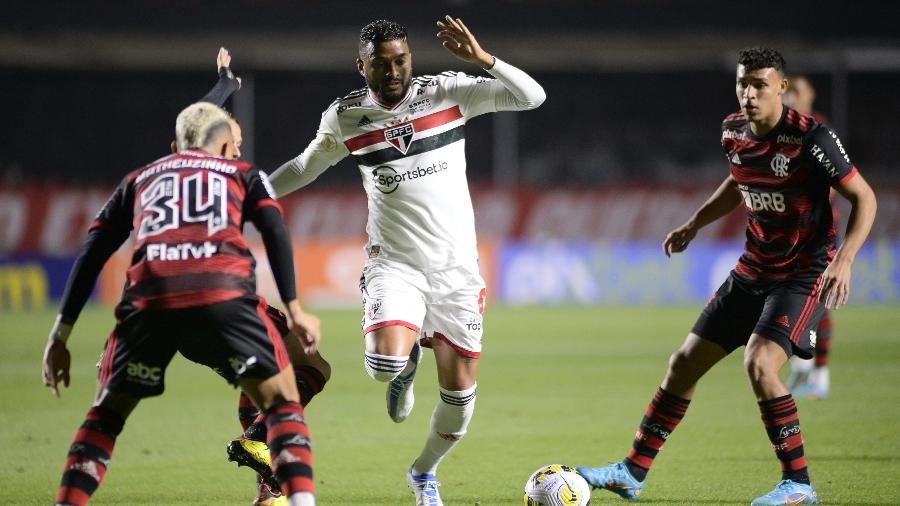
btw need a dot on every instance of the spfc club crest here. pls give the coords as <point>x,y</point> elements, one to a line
<point>400,137</point>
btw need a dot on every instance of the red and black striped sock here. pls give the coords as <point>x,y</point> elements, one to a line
<point>89,456</point>
<point>247,411</point>
<point>823,340</point>
<point>309,383</point>
<point>782,423</point>
<point>290,448</point>
<point>663,414</point>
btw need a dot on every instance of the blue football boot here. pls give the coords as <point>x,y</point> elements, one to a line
<point>615,477</point>
<point>425,488</point>
<point>788,492</point>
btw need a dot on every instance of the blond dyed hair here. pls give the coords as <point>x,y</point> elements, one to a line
<point>200,124</point>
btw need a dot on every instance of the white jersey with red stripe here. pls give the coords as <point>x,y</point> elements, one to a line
<point>412,160</point>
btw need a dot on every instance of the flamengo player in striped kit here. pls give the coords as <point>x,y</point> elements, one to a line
<point>421,284</point>
<point>191,289</point>
<point>782,165</point>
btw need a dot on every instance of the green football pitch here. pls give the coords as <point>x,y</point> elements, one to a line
<point>564,385</point>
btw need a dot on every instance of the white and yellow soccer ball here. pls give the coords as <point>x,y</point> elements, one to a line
<point>557,485</point>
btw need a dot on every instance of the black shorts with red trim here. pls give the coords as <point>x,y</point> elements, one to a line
<point>236,338</point>
<point>784,311</point>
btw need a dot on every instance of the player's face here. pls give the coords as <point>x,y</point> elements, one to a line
<point>238,138</point>
<point>800,95</point>
<point>759,92</point>
<point>387,68</point>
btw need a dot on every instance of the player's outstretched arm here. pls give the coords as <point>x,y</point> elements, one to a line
<point>836,278</point>
<point>227,84</point>
<point>266,216</point>
<point>722,202</point>
<point>519,91</point>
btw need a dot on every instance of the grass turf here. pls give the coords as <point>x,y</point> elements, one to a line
<point>564,385</point>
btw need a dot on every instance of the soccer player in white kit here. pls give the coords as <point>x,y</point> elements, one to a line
<point>420,284</point>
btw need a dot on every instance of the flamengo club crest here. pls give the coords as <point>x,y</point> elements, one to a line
<point>400,137</point>
<point>780,165</point>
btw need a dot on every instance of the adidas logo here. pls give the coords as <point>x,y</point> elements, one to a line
<point>364,121</point>
<point>735,159</point>
<point>783,320</point>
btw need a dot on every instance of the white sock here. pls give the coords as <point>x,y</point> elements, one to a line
<point>302,499</point>
<point>448,425</point>
<point>384,367</point>
<point>819,377</point>
<point>801,365</point>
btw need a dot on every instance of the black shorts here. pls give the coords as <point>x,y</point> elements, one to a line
<point>785,312</point>
<point>236,338</point>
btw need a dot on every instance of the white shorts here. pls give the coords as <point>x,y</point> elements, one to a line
<point>446,305</point>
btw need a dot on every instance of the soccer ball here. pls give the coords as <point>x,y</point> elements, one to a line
<point>556,485</point>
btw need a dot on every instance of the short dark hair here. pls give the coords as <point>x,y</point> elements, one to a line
<point>757,57</point>
<point>379,31</point>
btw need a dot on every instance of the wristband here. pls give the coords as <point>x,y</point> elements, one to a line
<point>61,330</point>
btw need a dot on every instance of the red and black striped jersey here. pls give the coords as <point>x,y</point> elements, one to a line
<point>784,178</point>
<point>187,211</point>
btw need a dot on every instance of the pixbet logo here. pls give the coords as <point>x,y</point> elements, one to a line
<point>789,139</point>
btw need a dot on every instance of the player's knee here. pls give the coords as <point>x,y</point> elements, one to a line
<point>680,364</point>
<point>758,368</point>
<point>384,368</point>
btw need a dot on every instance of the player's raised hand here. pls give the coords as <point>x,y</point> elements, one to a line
<point>835,287</point>
<point>57,361</point>
<point>223,62</point>
<point>461,43</point>
<point>678,239</point>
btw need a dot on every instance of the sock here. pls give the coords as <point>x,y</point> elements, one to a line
<point>663,414</point>
<point>448,425</point>
<point>89,456</point>
<point>302,499</point>
<point>782,423</point>
<point>247,411</point>
<point>823,340</point>
<point>384,367</point>
<point>289,445</point>
<point>309,383</point>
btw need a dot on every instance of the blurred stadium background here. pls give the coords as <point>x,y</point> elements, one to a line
<point>572,201</point>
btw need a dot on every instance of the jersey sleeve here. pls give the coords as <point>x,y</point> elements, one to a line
<point>509,89</point>
<point>829,156</point>
<point>117,214</point>
<point>223,89</point>
<point>325,150</point>
<point>259,193</point>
